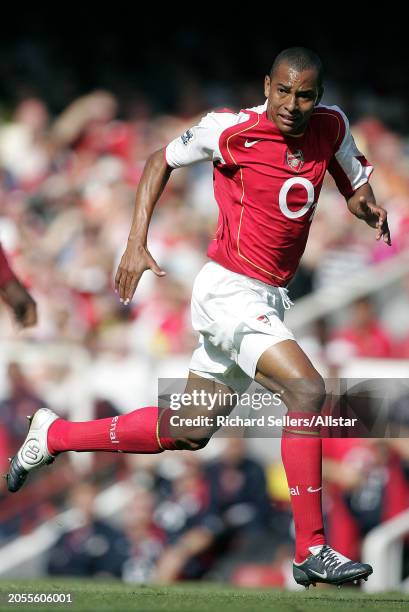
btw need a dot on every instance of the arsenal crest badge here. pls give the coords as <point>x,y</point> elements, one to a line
<point>295,160</point>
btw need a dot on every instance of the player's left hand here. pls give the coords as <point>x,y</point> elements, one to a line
<point>376,217</point>
<point>20,301</point>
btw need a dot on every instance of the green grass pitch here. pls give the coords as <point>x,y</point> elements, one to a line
<point>99,595</point>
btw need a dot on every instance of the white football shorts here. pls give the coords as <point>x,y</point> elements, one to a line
<point>238,318</point>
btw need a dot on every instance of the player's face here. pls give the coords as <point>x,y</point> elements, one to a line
<point>292,96</point>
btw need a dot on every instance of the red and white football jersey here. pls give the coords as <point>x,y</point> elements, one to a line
<point>267,185</point>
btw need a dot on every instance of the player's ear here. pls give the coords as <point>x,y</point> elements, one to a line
<point>267,85</point>
<point>320,94</point>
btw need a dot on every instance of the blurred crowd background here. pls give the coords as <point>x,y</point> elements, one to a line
<point>76,126</point>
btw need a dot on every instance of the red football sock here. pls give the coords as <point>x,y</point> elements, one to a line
<point>301,452</point>
<point>136,432</point>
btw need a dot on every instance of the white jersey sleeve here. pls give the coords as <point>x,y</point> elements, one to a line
<point>200,142</point>
<point>349,167</point>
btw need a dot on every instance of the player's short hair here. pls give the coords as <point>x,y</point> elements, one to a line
<point>300,59</point>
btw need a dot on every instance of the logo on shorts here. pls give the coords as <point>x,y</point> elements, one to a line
<point>265,318</point>
<point>187,137</point>
<point>295,160</point>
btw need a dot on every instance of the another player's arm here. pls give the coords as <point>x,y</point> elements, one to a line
<point>363,205</point>
<point>137,258</point>
<point>15,295</point>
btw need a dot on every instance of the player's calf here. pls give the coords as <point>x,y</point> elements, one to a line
<point>305,395</point>
<point>187,429</point>
<point>191,444</point>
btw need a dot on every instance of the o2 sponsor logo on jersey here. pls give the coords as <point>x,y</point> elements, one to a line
<point>295,160</point>
<point>282,198</point>
<point>187,137</point>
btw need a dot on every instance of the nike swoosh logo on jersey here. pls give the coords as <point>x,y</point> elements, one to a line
<point>250,143</point>
<point>324,575</point>
<point>311,490</point>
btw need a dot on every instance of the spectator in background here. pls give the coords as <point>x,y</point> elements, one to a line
<point>239,498</point>
<point>366,486</point>
<point>228,514</point>
<point>20,402</point>
<point>364,336</point>
<point>399,430</point>
<point>238,491</point>
<point>398,320</point>
<point>24,151</point>
<point>184,515</point>
<point>147,539</point>
<point>93,548</point>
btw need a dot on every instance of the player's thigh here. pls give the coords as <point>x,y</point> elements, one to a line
<point>286,369</point>
<point>211,396</point>
<point>197,422</point>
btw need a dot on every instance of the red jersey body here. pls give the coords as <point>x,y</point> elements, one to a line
<point>267,185</point>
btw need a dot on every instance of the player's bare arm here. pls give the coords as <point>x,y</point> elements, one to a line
<point>24,308</point>
<point>363,205</point>
<point>136,258</point>
<point>15,295</point>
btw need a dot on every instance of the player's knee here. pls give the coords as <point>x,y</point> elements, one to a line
<point>191,444</point>
<point>310,394</point>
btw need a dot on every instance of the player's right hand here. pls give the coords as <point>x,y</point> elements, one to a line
<point>133,264</point>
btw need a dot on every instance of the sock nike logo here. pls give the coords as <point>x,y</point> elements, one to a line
<point>311,490</point>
